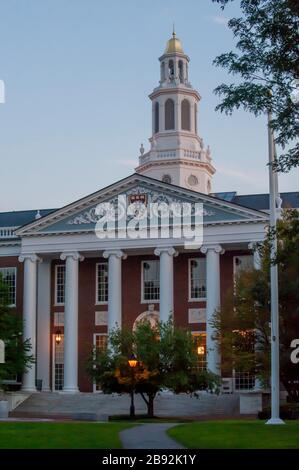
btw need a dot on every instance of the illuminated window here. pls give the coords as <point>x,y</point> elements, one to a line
<point>200,340</point>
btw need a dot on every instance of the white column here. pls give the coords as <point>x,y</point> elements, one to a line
<point>213,303</point>
<point>114,287</point>
<point>29,315</point>
<point>43,324</point>
<point>71,321</point>
<point>166,281</point>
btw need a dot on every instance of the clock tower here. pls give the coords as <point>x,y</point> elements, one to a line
<point>177,154</point>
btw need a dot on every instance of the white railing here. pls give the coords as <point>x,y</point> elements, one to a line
<point>7,232</point>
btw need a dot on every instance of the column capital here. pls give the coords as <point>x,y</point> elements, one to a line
<point>71,254</point>
<point>165,249</point>
<point>117,253</point>
<point>253,246</point>
<point>31,256</point>
<point>216,248</point>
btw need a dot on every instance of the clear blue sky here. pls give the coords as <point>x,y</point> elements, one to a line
<point>78,74</point>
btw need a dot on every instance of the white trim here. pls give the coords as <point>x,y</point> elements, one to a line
<point>16,273</point>
<point>94,345</point>
<point>97,286</point>
<point>57,304</point>
<point>191,299</point>
<point>142,300</point>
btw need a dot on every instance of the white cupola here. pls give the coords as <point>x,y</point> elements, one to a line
<point>177,154</point>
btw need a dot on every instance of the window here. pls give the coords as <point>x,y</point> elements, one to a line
<point>100,341</point>
<point>102,283</point>
<point>58,359</point>
<point>181,71</point>
<point>186,125</point>
<point>244,381</point>
<point>162,71</point>
<point>9,276</point>
<point>169,115</point>
<point>242,263</point>
<point>195,117</point>
<point>151,281</point>
<point>200,340</point>
<point>59,284</point>
<point>197,279</point>
<point>156,117</point>
<point>171,69</point>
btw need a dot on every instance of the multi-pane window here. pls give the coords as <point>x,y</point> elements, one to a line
<point>59,364</point>
<point>197,279</point>
<point>200,340</point>
<point>151,280</point>
<point>102,283</point>
<point>9,276</point>
<point>59,284</point>
<point>100,342</point>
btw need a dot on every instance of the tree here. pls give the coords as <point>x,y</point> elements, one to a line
<point>243,322</point>
<point>267,59</point>
<point>166,359</point>
<point>17,351</point>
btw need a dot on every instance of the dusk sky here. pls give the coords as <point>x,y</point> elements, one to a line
<point>77,76</point>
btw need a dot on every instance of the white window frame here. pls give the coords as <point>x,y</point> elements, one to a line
<point>97,302</point>
<point>94,385</point>
<point>15,271</point>
<point>58,304</point>
<point>191,299</point>
<point>143,300</point>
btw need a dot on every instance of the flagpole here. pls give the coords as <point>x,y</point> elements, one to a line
<point>273,197</point>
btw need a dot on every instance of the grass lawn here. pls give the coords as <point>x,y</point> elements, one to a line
<point>27,435</point>
<point>237,435</point>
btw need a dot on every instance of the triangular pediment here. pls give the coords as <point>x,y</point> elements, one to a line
<point>82,215</point>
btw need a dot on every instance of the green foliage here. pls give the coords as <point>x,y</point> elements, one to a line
<point>266,59</point>
<point>243,323</point>
<point>17,351</point>
<point>166,359</point>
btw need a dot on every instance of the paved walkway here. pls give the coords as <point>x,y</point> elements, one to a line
<point>149,436</point>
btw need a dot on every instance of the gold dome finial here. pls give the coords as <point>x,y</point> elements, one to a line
<point>174,44</point>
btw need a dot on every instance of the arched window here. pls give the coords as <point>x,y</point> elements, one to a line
<point>186,115</point>
<point>171,69</point>
<point>156,117</point>
<point>169,114</point>
<point>195,117</point>
<point>181,71</point>
<point>162,71</point>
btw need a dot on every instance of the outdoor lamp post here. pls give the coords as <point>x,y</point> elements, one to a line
<point>132,363</point>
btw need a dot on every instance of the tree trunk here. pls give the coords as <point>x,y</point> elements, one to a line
<point>150,406</point>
